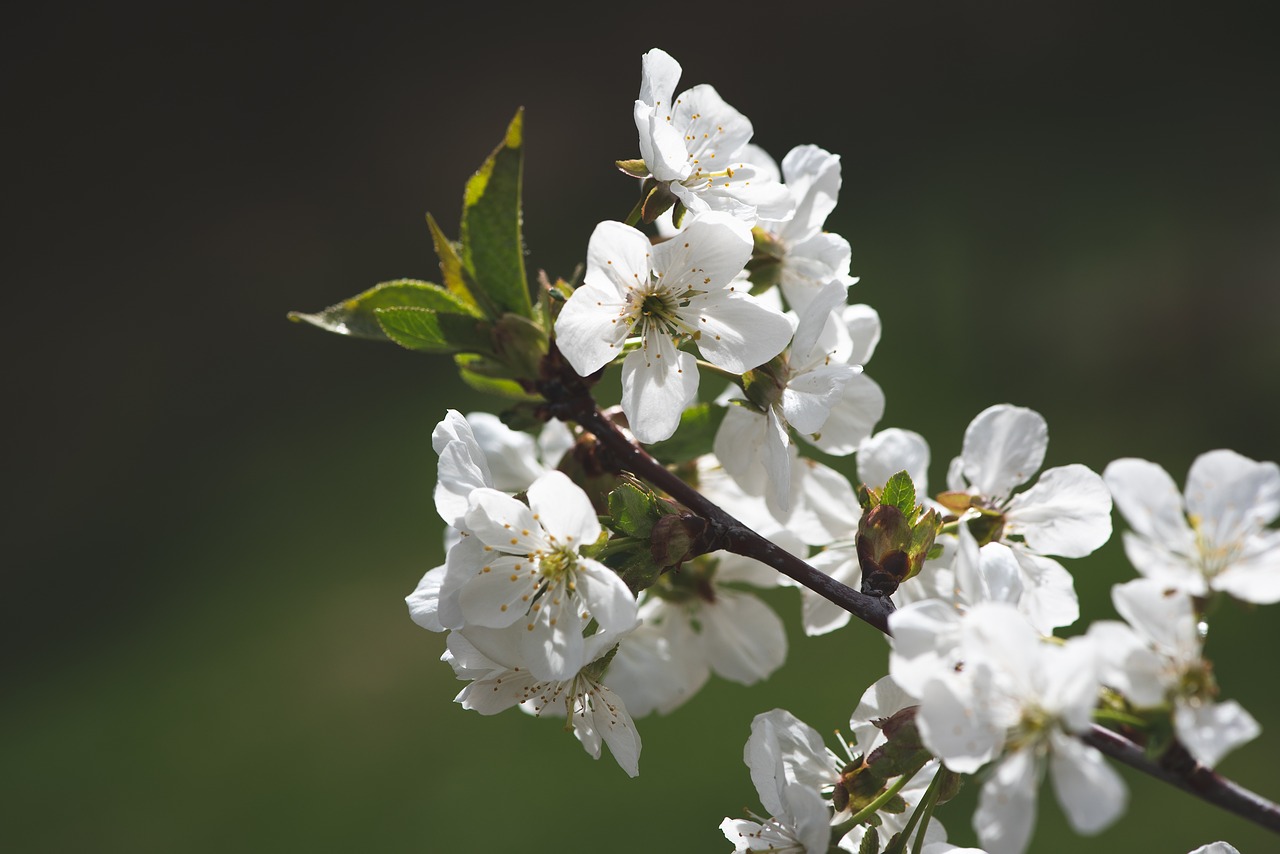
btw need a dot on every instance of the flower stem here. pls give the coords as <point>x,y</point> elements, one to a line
<point>883,798</point>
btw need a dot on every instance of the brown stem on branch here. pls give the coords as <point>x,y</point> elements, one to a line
<point>569,399</point>
<point>1190,777</point>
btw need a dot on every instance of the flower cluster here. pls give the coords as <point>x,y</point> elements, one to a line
<point>588,579</point>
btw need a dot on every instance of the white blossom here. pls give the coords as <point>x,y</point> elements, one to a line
<point>1158,658</point>
<point>1066,513</point>
<point>496,663</point>
<point>808,257</point>
<point>521,565</point>
<point>680,290</point>
<point>991,690</point>
<point>693,144</point>
<point>1215,538</point>
<point>816,387</point>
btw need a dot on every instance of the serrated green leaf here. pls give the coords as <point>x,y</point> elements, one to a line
<point>355,316</point>
<point>693,438</point>
<point>492,242</point>
<point>451,268</point>
<point>900,492</point>
<point>434,331</point>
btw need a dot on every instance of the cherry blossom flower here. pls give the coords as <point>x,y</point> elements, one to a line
<point>681,290</point>
<point>816,387</point>
<point>501,674</point>
<point>521,564</point>
<point>1158,657</point>
<point>693,143</point>
<point>517,459</point>
<point>994,691</point>
<point>808,258</point>
<point>1216,537</point>
<point>1066,513</point>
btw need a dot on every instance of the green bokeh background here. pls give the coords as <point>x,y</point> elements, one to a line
<point>214,515</point>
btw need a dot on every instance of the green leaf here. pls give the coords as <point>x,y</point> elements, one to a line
<point>451,267</point>
<point>433,331</point>
<point>900,492</point>
<point>475,372</point>
<point>355,316</point>
<point>693,438</point>
<point>492,243</point>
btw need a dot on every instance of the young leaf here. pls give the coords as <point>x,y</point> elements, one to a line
<point>451,267</point>
<point>492,243</point>
<point>900,492</point>
<point>434,332</point>
<point>483,374</point>
<point>355,316</point>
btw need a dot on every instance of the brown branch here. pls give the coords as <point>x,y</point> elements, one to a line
<point>569,399</point>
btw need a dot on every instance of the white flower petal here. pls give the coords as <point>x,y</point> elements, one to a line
<point>509,453</point>
<point>1090,791</point>
<point>818,614</point>
<point>1212,730</point>
<point>744,639</point>
<point>611,720</point>
<point>564,511</point>
<point>812,263</point>
<point>863,323</point>
<point>783,749</point>
<point>890,451</point>
<point>504,523</point>
<point>855,414</point>
<point>500,592</point>
<point>883,699</point>
<point>813,177</point>
<point>737,332</point>
<point>952,724</point>
<point>1048,598</point>
<point>1149,500</point>
<point>1003,447</point>
<point>657,389</point>
<point>808,397</point>
<point>707,256</point>
<point>424,601</point>
<point>609,600</point>
<point>659,73</point>
<point>1232,495</point>
<point>1006,812</point>
<point>1067,512</point>
<point>1256,576</point>
<point>1172,569</point>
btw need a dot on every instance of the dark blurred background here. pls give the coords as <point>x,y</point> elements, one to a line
<point>213,514</point>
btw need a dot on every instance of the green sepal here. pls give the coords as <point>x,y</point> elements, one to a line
<point>635,168</point>
<point>870,842</point>
<point>429,331</point>
<point>355,316</point>
<point>693,438</point>
<point>492,241</point>
<point>634,509</point>
<point>677,214</point>
<point>631,559</point>
<point>451,273</point>
<point>657,201</point>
